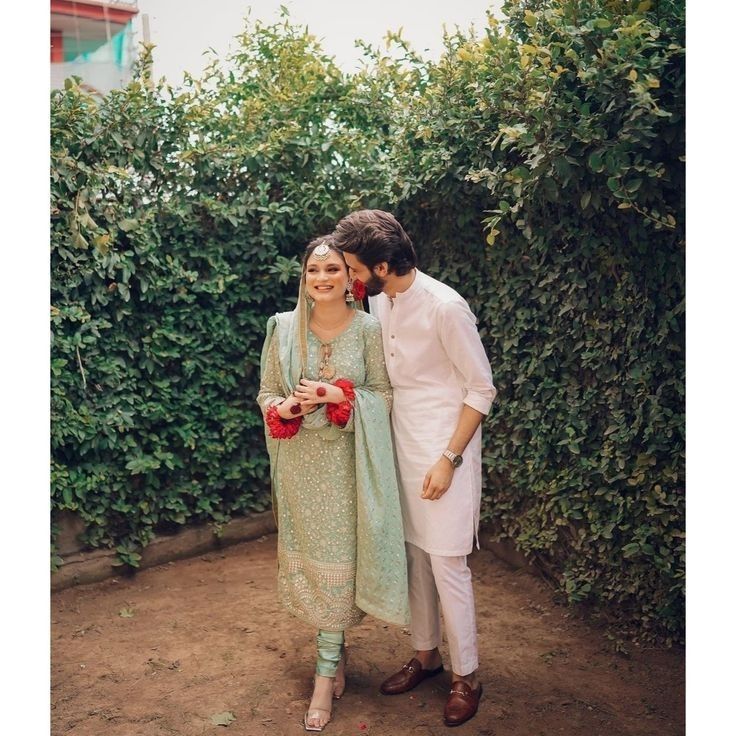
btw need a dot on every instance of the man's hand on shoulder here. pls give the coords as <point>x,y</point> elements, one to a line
<point>437,480</point>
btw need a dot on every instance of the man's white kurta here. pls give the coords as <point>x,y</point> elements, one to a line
<point>436,363</point>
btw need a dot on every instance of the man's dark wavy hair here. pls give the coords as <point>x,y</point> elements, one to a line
<point>375,236</point>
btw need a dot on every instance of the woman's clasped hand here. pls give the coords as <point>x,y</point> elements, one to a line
<point>312,393</point>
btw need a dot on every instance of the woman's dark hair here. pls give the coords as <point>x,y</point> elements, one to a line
<point>375,236</point>
<point>327,240</point>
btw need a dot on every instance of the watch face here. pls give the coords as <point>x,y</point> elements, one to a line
<point>456,460</point>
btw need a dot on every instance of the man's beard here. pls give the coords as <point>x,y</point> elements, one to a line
<point>374,285</point>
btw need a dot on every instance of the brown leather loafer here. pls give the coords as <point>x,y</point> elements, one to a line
<point>408,677</point>
<point>462,704</point>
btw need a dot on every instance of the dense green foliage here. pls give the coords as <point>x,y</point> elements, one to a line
<point>574,143</point>
<point>539,168</point>
<point>174,220</point>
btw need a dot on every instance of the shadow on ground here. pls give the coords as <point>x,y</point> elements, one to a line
<point>166,651</point>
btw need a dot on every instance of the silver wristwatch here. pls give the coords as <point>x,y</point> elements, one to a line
<point>454,458</point>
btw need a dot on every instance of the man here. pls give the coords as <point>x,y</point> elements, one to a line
<point>443,388</point>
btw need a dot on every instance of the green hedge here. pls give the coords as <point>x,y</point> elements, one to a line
<point>564,138</point>
<point>175,221</point>
<point>539,168</point>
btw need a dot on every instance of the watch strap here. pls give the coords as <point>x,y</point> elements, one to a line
<point>453,457</point>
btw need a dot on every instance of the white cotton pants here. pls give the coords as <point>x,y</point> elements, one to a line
<point>435,580</point>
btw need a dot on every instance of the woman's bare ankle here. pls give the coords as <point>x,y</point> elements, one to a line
<point>323,685</point>
<point>339,682</point>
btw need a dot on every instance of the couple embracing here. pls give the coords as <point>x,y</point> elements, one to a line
<point>373,432</point>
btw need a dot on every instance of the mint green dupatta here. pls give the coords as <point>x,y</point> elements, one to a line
<point>381,574</point>
<point>381,587</point>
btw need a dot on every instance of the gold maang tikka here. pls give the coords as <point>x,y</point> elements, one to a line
<point>321,252</point>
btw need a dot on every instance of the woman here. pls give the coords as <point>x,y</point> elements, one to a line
<point>325,396</point>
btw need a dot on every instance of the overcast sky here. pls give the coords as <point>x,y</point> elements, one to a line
<point>183,29</point>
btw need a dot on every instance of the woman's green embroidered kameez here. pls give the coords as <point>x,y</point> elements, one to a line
<point>341,545</point>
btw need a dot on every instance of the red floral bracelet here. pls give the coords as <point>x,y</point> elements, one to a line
<point>339,414</point>
<point>347,386</point>
<point>280,428</point>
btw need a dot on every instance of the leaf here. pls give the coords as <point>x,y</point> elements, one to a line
<point>630,549</point>
<point>101,242</point>
<point>595,161</point>
<point>521,173</point>
<point>529,18</point>
<point>79,241</point>
<point>585,200</point>
<point>128,224</point>
<point>126,613</point>
<point>633,76</point>
<point>223,719</point>
<point>86,221</point>
<point>491,237</point>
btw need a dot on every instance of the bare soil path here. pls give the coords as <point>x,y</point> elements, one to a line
<point>163,652</point>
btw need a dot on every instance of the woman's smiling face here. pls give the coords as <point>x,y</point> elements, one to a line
<point>326,279</point>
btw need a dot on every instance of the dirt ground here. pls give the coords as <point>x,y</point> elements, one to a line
<point>168,651</point>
